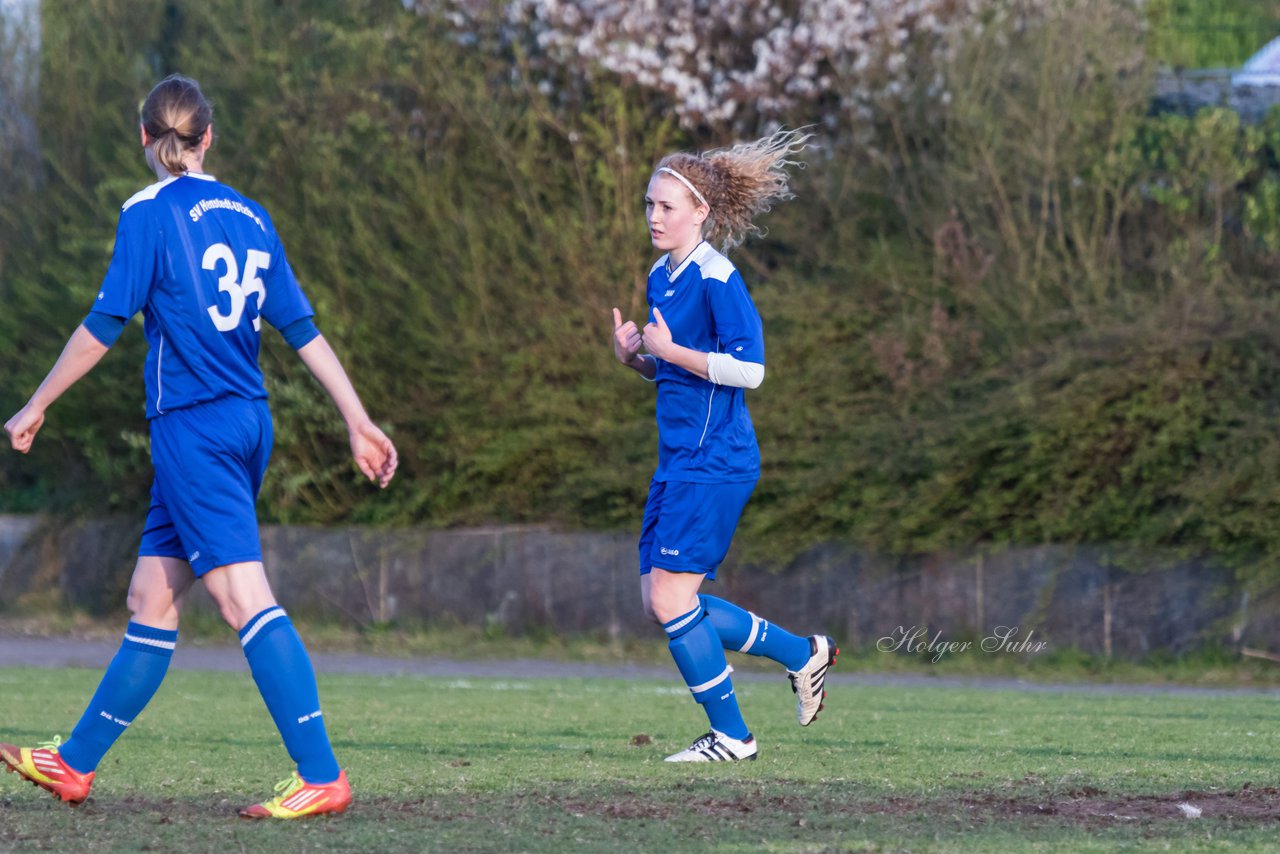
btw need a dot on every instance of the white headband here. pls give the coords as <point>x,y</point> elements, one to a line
<point>686,182</point>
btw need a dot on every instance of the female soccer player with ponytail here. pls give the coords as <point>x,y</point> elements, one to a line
<point>204,266</point>
<point>703,346</point>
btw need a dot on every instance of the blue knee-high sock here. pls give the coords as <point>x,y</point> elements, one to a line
<point>699,655</point>
<point>128,685</point>
<point>745,632</point>
<point>282,669</point>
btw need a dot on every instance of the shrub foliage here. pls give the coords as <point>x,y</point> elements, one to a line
<point>1009,306</point>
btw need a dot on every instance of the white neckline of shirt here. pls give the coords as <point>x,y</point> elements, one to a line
<point>203,176</point>
<point>675,274</point>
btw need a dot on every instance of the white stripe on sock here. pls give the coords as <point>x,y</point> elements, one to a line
<point>755,628</point>
<point>159,644</point>
<point>273,614</point>
<point>707,686</point>
<point>690,617</point>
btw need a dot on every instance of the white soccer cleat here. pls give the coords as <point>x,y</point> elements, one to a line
<point>809,682</point>
<point>717,747</point>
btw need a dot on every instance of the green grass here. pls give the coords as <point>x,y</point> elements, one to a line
<point>550,765</point>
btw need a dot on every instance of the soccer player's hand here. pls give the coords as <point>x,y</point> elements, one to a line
<point>22,428</point>
<point>657,337</point>
<point>626,339</point>
<point>374,453</point>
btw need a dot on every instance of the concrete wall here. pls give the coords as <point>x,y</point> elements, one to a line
<point>522,578</point>
<point>1186,91</point>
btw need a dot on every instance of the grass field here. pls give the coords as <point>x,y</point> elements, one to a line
<point>576,765</point>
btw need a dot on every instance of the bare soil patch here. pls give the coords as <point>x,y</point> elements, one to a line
<point>1084,807</point>
<point>1091,807</point>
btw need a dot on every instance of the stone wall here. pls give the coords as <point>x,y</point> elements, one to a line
<point>1186,91</point>
<point>530,578</point>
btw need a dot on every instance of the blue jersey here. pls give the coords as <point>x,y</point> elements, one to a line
<point>204,266</point>
<point>705,434</point>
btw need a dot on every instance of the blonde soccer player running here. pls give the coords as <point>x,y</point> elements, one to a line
<point>703,346</point>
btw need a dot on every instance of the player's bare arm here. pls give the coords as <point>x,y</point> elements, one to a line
<point>373,452</point>
<point>79,356</point>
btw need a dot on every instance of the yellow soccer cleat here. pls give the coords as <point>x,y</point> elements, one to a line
<point>299,799</point>
<point>43,767</point>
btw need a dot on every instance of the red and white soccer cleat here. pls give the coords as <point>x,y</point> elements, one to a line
<point>299,799</point>
<point>43,767</point>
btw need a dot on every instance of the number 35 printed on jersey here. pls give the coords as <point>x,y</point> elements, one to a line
<point>235,287</point>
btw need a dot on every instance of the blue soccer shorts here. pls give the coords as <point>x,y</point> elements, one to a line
<point>688,526</point>
<point>209,460</point>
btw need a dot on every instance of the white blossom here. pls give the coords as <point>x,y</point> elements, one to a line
<point>805,57</point>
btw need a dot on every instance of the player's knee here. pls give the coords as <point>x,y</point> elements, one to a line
<point>240,591</point>
<point>235,613</point>
<point>230,615</point>
<point>646,606</point>
<point>666,605</point>
<point>153,609</point>
<point>662,616</point>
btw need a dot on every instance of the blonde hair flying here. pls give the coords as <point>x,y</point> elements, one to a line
<point>739,183</point>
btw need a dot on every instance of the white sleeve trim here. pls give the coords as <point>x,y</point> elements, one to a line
<point>724,369</point>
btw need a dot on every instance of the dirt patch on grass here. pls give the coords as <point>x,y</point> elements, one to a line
<point>1093,808</point>
<point>165,810</point>
<point>1085,806</point>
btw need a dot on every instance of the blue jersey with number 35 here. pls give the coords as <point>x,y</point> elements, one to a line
<point>204,266</point>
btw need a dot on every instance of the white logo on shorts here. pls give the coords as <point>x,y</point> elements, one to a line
<point>667,551</point>
<point>194,556</point>
<point>669,294</point>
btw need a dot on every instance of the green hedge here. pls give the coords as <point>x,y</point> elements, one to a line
<point>1217,34</point>
<point>1040,315</point>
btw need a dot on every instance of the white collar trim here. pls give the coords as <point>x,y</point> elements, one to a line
<point>675,274</point>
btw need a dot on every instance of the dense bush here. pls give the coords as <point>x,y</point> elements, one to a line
<point>462,243</point>
<point>1024,312</point>
<point>1221,34</point>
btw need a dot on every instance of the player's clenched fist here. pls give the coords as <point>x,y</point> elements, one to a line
<point>626,339</point>
<point>657,336</point>
<point>22,428</point>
